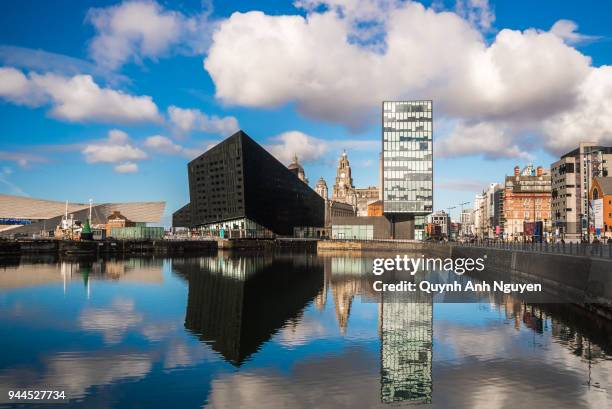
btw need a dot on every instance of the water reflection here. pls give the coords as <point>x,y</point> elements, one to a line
<point>236,305</point>
<point>285,331</point>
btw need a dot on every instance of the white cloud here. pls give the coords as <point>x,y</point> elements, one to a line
<point>310,149</point>
<point>482,138</point>
<point>116,149</point>
<point>76,99</point>
<point>567,30</point>
<point>165,145</point>
<point>187,120</point>
<point>135,30</point>
<point>590,120</point>
<point>23,159</point>
<point>288,144</point>
<point>45,61</point>
<point>477,12</point>
<point>511,85</point>
<point>127,167</point>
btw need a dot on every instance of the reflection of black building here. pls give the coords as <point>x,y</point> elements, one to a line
<point>238,185</point>
<point>236,305</point>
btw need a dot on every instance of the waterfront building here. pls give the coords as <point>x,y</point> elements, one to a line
<point>375,208</point>
<point>238,189</point>
<point>364,197</point>
<point>467,222</point>
<point>601,206</point>
<point>527,198</point>
<point>571,176</point>
<point>344,190</point>
<point>297,169</point>
<point>333,209</point>
<point>478,215</point>
<point>494,210</point>
<point>117,220</point>
<point>407,182</point>
<point>442,219</point>
<point>26,216</point>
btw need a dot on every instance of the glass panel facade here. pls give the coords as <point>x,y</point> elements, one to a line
<point>407,128</point>
<point>354,232</point>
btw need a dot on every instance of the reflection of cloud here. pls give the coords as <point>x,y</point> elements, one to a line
<point>158,330</point>
<point>303,332</point>
<point>180,354</point>
<point>113,321</point>
<point>348,380</point>
<point>74,373</point>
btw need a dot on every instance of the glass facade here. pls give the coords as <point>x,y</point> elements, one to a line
<point>407,157</point>
<point>237,185</point>
<point>355,232</point>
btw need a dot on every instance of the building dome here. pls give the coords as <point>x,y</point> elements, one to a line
<point>297,169</point>
<point>321,182</point>
<point>295,165</point>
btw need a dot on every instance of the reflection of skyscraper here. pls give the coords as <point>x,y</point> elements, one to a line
<point>238,309</point>
<point>406,347</point>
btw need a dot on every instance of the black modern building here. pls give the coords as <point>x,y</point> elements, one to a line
<point>238,189</point>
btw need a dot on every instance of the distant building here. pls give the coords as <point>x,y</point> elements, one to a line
<point>117,220</point>
<point>333,209</point>
<point>442,219</point>
<point>343,189</point>
<point>297,169</point>
<point>601,206</point>
<point>478,216</point>
<point>365,196</point>
<point>25,216</point>
<point>571,177</point>
<point>487,216</point>
<point>375,208</point>
<point>527,198</point>
<point>467,222</point>
<point>407,129</point>
<point>238,189</point>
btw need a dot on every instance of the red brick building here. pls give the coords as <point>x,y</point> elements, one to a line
<point>527,198</point>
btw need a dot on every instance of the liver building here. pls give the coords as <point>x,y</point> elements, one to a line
<point>344,191</point>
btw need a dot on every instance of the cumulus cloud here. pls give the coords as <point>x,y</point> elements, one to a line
<point>75,99</point>
<point>288,144</point>
<point>520,77</point>
<point>478,12</point>
<point>568,31</point>
<point>488,140</point>
<point>116,149</point>
<point>309,148</point>
<point>45,61</point>
<point>185,120</point>
<point>126,167</point>
<point>165,145</point>
<point>136,30</point>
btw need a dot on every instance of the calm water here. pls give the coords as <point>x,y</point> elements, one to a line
<point>283,331</point>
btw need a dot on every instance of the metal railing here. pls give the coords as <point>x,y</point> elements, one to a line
<point>601,250</point>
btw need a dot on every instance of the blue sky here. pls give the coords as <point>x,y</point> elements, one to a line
<point>109,100</point>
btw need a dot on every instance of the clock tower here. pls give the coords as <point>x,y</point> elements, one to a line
<point>343,190</point>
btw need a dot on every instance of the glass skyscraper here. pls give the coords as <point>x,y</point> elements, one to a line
<point>407,138</point>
